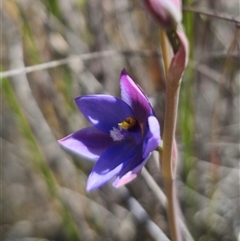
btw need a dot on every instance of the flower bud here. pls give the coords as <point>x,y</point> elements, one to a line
<point>167,12</point>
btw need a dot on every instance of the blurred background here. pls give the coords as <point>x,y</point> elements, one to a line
<point>43,193</point>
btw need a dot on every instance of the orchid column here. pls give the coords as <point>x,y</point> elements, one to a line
<point>168,14</point>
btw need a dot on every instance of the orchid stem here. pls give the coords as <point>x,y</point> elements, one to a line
<point>168,167</point>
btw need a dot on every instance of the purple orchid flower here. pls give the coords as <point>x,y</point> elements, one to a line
<point>124,134</point>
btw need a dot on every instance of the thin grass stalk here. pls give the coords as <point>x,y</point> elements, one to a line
<point>186,113</point>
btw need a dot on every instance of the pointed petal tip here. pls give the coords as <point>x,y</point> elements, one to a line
<point>92,184</point>
<point>123,72</point>
<point>76,99</point>
<point>85,143</point>
<point>90,188</point>
<point>61,141</point>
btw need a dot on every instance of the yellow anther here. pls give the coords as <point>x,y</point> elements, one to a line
<point>128,123</point>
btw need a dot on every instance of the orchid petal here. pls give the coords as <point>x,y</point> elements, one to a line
<point>111,162</point>
<point>136,133</point>
<point>135,97</point>
<point>88,142</point>
<point>103,111</point>
<point>129,173</point>
<point>152,137</point>
<point>128,177</point>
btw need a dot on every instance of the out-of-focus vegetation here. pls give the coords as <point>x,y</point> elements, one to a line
<point>43,186</point>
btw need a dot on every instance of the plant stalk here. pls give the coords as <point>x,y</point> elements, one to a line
<point>168,163</point>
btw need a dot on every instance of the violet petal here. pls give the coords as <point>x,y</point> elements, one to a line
<point>130,172</point>
<point>88,142</point>
<point>134,96</point>
<point>111,162</point>
<point>104,111</point>
<point>136,133</point>
<point>152,137</point>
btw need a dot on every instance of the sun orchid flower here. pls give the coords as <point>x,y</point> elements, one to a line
<point>123,134</point>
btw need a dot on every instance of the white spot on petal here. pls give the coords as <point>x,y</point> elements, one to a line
<point>116,134</point>
<point>95,122</point>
